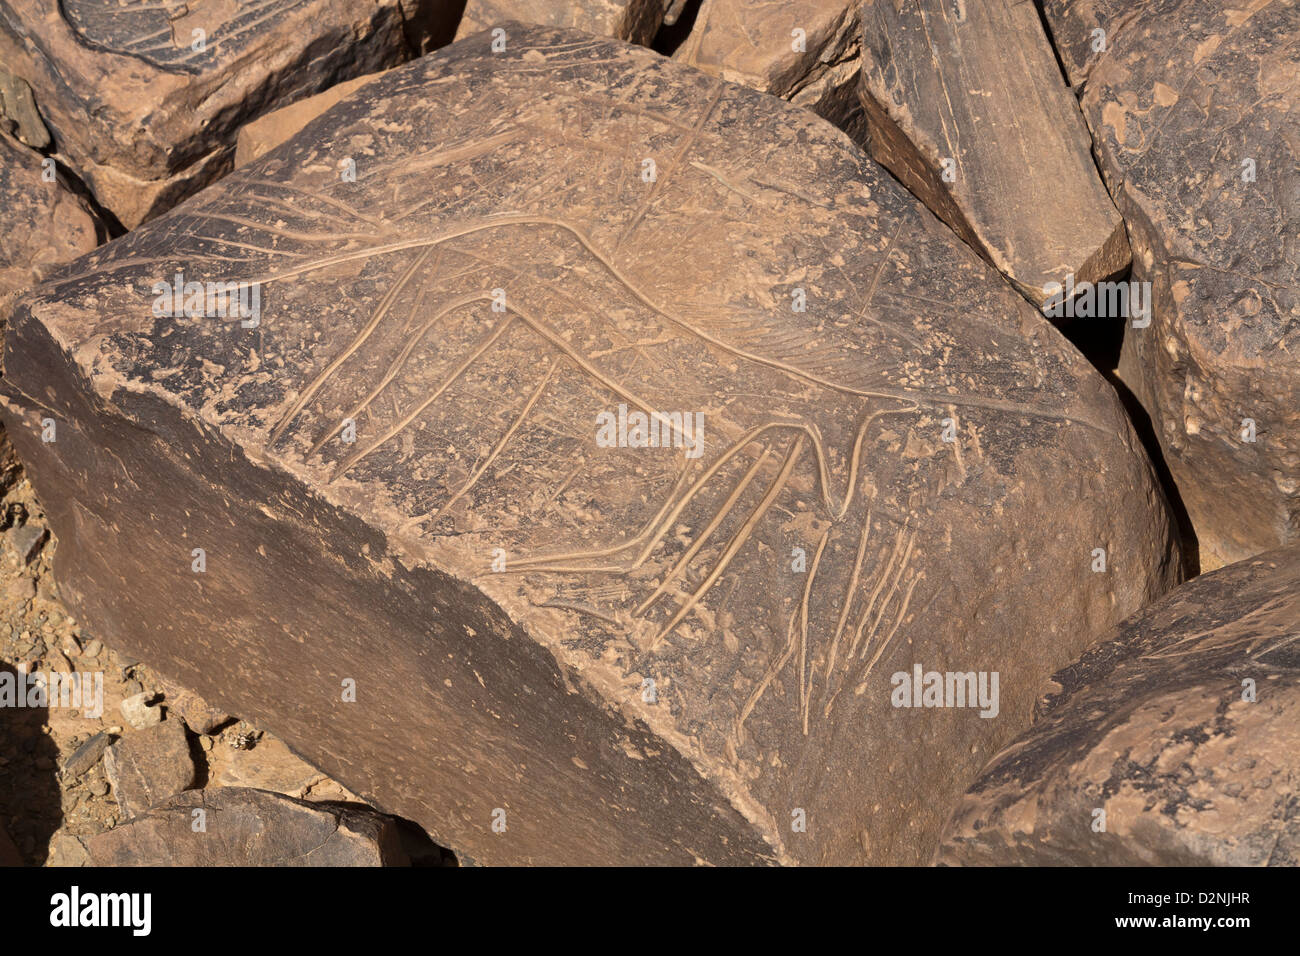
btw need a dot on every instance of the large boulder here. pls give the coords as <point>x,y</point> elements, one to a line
<point>1194,109</point>
<point>144,98</point>
<point>804,51</point>
<point>578,478</point>
<point>1174,743</point>
<point>966,106</point>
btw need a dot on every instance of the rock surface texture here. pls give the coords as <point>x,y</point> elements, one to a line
<point>144,98</point>
<point>44,224</point>
<point>147,768</point>
<point>636,21</point>
<point>1195,110</point>
<point>409,518</point>
<point>966,106</point>
<point>804,51</point>
<point>1183,729</point>
<point>243,827</point>
<point>1083,31</point>
<point>267,132</point>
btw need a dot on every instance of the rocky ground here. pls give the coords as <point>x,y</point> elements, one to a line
<point>58,786</point>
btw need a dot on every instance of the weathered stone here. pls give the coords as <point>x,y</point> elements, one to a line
<point>1183,729</point>
<point>42,223</point>
<point>139,713</point>
<point>243,827</point>
<point>636,21</point>
<point>145,98</point>
<point>267,132</point>
<point>268,766</point>
<point>197,714</point>
<point>146,768</point>
<point>1195,112</point>
<point>26,540</point>
<point>966,106</point>
<point>804,51</point>
<point>677,636</point>
<point>17,590</point>
<point>86,756</point>
<point>19,114</point>
<point>66,850</point>
<point>1085,30</point>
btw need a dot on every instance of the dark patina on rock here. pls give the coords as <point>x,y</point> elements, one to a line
<point>144,97</point>
<point>1183,729</point>
<point>966,106</point>
<point>1195,111</point>
<point>565,648</point>
<point>238,826</point>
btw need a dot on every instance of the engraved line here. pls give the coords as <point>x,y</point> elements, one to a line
<point>718,517</point>
<point>792,456</point>
<point>376,317</point>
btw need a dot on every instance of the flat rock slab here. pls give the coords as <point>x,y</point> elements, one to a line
<point>43,224</point>
<point>966,106</point>
<point>636,21</point>
<point>804,51</point>
<point>1195,112</point>
<point>270,765</point>
<point>393,517</point>
<point>244,827</point>
<point>1174,743</point>
<point>147,767</point>
<point>144,98</point>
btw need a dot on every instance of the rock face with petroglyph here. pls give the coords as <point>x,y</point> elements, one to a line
<point>144,98</point>
<point>1196,112</point>
<point>804,51</point>
<point>43,224</point>
<point>418,471</point>
<point>1174,743</point>
<point>966,106</point>
<point>636,21</point>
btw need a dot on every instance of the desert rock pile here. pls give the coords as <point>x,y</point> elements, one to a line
<point>645,431</point>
